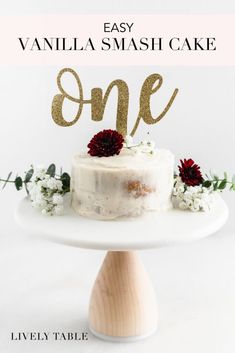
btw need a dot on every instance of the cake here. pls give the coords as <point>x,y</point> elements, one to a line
<point>127,184</point>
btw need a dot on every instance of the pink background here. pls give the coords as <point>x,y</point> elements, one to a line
<point>85,26</point>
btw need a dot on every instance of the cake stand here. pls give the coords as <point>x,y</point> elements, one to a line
<point>123,305</point>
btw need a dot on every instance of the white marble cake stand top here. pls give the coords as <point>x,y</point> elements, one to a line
<point>152,231</point>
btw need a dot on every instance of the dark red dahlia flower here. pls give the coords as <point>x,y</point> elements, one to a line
<point>106,143</point>
<point>190,172</point>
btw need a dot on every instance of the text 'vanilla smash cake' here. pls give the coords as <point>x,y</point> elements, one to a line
<point>120,179</point>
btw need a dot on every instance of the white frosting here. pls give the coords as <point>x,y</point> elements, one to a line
<point>127,184</point>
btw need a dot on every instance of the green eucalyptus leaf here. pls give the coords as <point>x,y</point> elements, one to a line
<point>215,185</point>
<point>18,183</point>
<point>65,178</point>
<point>51,170</point>
<point>225,175</point>
<point>29,175</point>
<point>233,179</point>
<point>233,187</point>
<point>222,184</point>
<point>207,183</point>
<point>8,177</point>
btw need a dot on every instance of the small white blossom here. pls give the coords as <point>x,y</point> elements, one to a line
<point>183,206</point>
<point>40,173</point>
<point>145,146</point>
<point>128,141</point>
<point>58,210</point>
<point>151,144</point>
<point>46,193</point>
<point>195,198</point>
<point>57,199</point>
<point>53,183</point>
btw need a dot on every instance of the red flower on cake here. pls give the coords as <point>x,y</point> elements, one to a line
<point>106,143</point>
<point>190,172</point>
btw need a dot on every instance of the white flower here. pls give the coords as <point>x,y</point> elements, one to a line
<point>145,146</point>
<point>183,206</point>
<point>46,193</point>
<point>42,183</point>
<point>54,184</point>
<point>128,141</point>
<point>39,172</point>
<point>40,203</point>
<point>57,199</point>
<point>58,210</point>
<point>151,144</point>
<point>195,198</point>
<point>44,212</point>
<point>181,188</point>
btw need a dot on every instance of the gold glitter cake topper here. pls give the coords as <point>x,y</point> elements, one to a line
<point>98,102</point>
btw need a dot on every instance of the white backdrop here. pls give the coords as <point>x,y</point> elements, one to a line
<point>45,286</point>
<point>200,124</point>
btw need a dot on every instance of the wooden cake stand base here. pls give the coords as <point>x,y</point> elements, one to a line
<point>123,304</point>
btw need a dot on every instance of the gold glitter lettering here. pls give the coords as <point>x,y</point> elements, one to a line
<point>98,102</point>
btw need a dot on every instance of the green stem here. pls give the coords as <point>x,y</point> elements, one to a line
<point>13,181</point>
<point>7,181</point>
<point>215,180</point>
<point>130,148</point>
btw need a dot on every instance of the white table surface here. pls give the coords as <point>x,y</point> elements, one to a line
<point>46,287</point>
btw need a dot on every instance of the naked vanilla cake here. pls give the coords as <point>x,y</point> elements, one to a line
<point>116,178</point>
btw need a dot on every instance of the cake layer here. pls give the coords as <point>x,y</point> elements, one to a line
<point>127,184</point>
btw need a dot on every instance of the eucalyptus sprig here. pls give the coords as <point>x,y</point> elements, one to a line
<point>24,181</point>
<point>219,184</point>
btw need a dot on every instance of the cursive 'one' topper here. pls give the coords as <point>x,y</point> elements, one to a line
<point>98,102</point>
